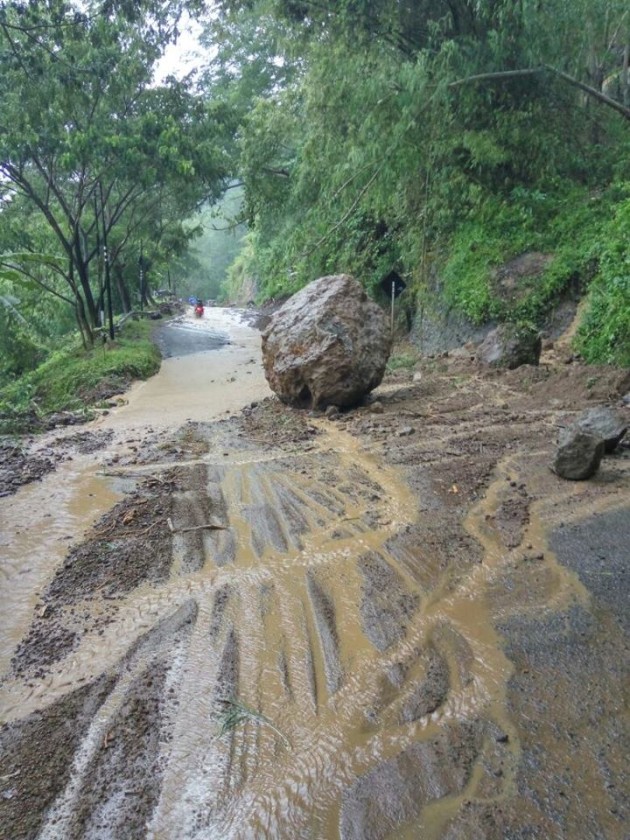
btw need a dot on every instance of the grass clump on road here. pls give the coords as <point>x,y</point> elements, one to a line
<point>74,379</point>
<point>234,714</point>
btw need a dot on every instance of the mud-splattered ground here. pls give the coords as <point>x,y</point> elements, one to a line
<point>403,623</point>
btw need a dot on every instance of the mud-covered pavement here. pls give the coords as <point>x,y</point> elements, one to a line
<point>397,623</point>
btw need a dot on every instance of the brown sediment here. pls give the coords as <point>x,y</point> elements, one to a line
<point>364,599</point>
<point>34,757</point>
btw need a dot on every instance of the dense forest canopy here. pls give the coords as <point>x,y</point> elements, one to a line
<point>98,166</point>
<point>441,139</point>
<point>436,138</point>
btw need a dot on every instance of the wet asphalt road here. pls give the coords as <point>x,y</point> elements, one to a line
<point>184,337</point>
<point>568,689</point>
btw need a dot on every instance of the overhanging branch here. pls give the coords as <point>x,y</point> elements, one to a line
<point>532,71</point>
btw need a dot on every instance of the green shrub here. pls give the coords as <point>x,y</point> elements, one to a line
<point>72,377</point>
<point>568,225</point>
<point>604,334</point>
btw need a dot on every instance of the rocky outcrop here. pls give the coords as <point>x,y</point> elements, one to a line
<point>578,455</point>
<point>605,423</point>
<point>327,345</point>
<point>510,346</point>
<point>513,280</point>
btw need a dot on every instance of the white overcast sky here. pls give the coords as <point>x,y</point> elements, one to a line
<point>182,57</point>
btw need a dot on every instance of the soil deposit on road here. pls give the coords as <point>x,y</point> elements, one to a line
<point>395,623</point>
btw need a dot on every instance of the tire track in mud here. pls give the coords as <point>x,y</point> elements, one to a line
<point>314,604</point>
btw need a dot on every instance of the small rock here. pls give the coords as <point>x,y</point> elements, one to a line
<point>332,412</point>
<point>579,454</point>
<point>376,407</point>
<point>405,431</point>
<point>605,423</point>
<point>417,377</point>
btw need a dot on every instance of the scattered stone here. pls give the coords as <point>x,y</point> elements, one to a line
<point>605,423</point>
<point>65,418</point>
<point>405,431</point>
<point>376,407</point>
<point>417,377</point>
<point>332,412</point>
<point>510,346</point>
<point>327,345</point>
<point>579,454</point>
<point>18,467</point>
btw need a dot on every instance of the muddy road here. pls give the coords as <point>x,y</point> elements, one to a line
<point>223,618</point>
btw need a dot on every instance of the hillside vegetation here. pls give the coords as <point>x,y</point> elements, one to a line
<point>439,139</point>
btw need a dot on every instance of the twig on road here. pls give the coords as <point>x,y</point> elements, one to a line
<point>208,527</point>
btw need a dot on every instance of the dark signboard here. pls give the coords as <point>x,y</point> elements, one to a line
<point>393,279</point>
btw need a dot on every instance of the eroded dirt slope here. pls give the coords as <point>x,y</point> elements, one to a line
<point>398,623</point>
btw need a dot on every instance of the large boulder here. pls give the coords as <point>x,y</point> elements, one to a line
<point>327,345</point>
<point>509,346</point>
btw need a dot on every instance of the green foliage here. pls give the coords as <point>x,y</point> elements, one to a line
<point>202,270</point>
<point>566,226</point>
<point>235,714</point>
<point>19,350</point>
<point>72,377</point>
<point>587,234</point>
<point>403,361</point>
<point>241,283</point>
<point>96,154</point>
<point>371,136</point>
<point>391,145</point>
<point>604,335</point>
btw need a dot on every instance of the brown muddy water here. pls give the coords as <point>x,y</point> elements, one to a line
<point>309,646</point>
<point>43,519</point>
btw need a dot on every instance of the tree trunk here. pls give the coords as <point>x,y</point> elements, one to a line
<point>144,289</point>
<point>121,285</point>
<point>87,333</point>
<point>90,309</point>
